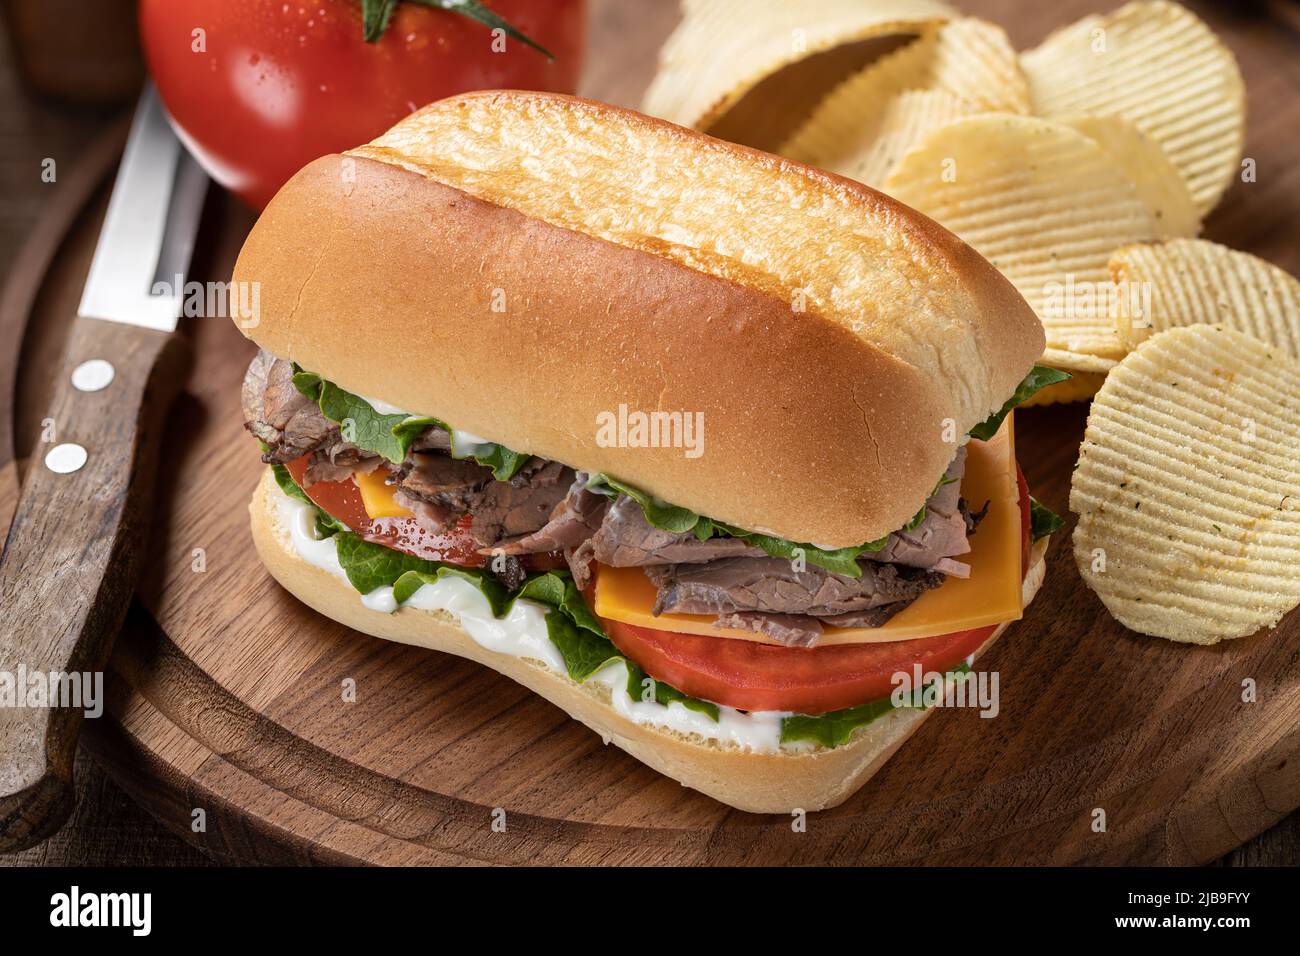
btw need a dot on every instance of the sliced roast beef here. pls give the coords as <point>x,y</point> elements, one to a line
<point>498,508</point>
<point>337,461</point>
<point>805,630</point>
<point>941,534</point>
<point>792,630</point>
<point>287,422</point>
<point>592,528</point>
<point>522,505</point>
<point>952,568</point>
<point>455,484</point>
<point>432,519</point>
<point>772,586</point>
<point>937,537</point>
<point>580,560</point>
<point>252,395</point>
<point>627,540</point>
<point>572,522</point>
<point>872,617</point>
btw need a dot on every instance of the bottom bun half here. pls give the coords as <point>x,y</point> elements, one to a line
<point>755,782</point>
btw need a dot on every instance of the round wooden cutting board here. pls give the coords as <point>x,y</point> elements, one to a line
<point>227,694</point>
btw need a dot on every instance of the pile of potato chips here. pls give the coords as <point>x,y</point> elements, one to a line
<point>1082,169</point>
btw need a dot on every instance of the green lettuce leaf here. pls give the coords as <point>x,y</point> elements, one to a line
<point>838,727</point>
<point>585,648</point>
<point>327,525</point>
<point>584,653</point>
<point>833,729</point>
<point>571,626</point>
<point>661,515</point>
<point>361,424</point>
<point>505,464</point>
<point>391,436</point>
<point>663,694</point>
<point>370,566</point>
<point>1039,377</point>
<point>557,589</point>
<point>1042,519</point>
<point>497,596</point>
<point>411,428</point>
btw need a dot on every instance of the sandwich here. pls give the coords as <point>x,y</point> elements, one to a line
<point>711,449</point>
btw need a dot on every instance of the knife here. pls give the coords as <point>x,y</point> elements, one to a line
<point>79,531</point>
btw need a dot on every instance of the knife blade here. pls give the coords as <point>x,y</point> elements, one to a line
<point>79,531</point>
<point>149,229</point>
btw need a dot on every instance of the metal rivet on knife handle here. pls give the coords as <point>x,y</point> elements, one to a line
<point>66,458</point>
<point>92,375</point>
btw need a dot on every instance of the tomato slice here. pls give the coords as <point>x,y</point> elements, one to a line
<point>340,499</point>
<point>752,676</point>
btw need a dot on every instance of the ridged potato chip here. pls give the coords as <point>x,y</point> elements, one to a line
<point>1188,487</point>
<point>899,124</point>
<point>1158,181</point>
<point>1190,281</point>
<point>1076,362</point>
<point>1158,65</point>
<point>866,124</point>
<point>1047,206</point>
<point>722,49</point>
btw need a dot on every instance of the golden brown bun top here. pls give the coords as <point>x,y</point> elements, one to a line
<point>518,263</point>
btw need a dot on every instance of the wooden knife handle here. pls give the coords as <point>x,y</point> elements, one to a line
<point>72,555</point>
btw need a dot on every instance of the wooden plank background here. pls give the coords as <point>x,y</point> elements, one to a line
<point>107,827</point>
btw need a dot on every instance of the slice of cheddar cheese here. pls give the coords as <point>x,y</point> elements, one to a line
<point>377,496</point>
<point>991,595</point>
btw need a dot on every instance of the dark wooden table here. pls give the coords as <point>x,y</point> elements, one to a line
<point>107,828</point>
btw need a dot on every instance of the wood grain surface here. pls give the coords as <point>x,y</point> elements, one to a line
<point>225,693</point>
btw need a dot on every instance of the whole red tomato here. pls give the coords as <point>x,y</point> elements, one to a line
<point>260,88</point>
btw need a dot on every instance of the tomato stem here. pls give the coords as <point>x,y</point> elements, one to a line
<point>376,14</point>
